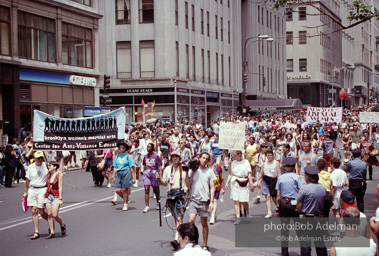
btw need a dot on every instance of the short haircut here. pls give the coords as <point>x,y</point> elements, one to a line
<point>307,141</point>
<point>287,146</point>
<point>190,230</point>
<point>269,151</point>
<point>351,216</point>
<point>335,162</point>
<point>322,164</point>
<point>152,145</point>
<point>204,153</point>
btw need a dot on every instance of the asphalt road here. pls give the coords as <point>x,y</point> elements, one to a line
<point>96,227</point>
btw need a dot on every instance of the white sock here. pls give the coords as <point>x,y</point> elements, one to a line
<point>259,197</point>
<point>115,197</point>
<point>176,236</point>
<point>125,204</point>
<point>269,212</point>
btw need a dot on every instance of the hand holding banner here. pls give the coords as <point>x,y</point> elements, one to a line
<point>232,136</point>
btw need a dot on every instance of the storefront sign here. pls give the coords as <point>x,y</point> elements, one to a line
<point>213,95</point>
<point>197,92</point>
<point>82,80</point>
<point>98,132</point>
<point>139,90</point>
<point>94,111</point>
<point>369,117</point>
<point>232,136</point>
<point>182,90</point>
<point>324,114</point>
<point>294,78</point>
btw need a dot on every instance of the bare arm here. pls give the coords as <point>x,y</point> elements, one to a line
<point>299,206</point>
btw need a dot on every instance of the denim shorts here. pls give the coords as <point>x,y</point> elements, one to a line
<point>50,199</point>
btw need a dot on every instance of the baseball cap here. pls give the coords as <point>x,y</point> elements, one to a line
<point>175,153</point>
<point>38,154</point>
<point>347,199</point>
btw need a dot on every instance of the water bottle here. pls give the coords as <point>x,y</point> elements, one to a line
<point>221,199</point>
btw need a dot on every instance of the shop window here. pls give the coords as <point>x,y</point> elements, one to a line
<point>302,65</point>
<point>147,59</point>
<point>146,11</point>
<point>124,60</point>
<point>85,2</point>
<point>4,31</point>
<point>289,65</point>
<point>36,40</point>
<point>76,46</point>
<point>122,11</point>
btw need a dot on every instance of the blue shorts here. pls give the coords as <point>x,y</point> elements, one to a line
<point>123,179</point>
<point>150,179</point>
<point>50,199</point>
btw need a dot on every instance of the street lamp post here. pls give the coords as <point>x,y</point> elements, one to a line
<point>245,62</point>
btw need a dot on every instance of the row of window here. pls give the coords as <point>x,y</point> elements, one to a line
<point>302,37</point>
<point>325,67</point>
<point>302,13</point>
<point>147,62</point>
<point>269,49</point>
<point>269,80</point>
<point>302,65</point>
<point>269,19</point>
<point>37,39</point>
<point>326,40</point>
<point>145,11</point>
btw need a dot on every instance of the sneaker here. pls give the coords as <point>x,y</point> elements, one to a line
<point>147,209</point>
<point>125,208</point>
<point>114,202</point>
<point>268,216</point>
<point>109,185</point>
<point>76,166</point>
<point>135,184</point>
<point>212,221</point>
<point>154,196</point>
<point>257,200</point>
<point>158,206</point>
<point>248,215</point>
<point>237,221</point>
<point>22,181</point>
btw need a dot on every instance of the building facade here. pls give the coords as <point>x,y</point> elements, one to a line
<point>265,57</point>
<point>48,60</point>
<point>179,54</point>
<point>314,54</point>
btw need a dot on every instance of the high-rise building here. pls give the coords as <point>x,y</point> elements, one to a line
<point>48,59</point>
<point>314,53</point>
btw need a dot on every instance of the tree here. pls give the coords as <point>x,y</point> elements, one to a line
<point>360,13</point>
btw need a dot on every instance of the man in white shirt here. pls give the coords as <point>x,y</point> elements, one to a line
<point>35,189</point>
<point>307,158</point>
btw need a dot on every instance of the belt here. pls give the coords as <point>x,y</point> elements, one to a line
<point>38,187</point>
<point>241,177</point>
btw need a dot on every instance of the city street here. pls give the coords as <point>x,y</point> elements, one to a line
<point>96,227</point>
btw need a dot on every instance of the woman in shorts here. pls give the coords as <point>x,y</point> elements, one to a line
<point>108,154</point>
<point>267,180</point>
<point>53,198</point>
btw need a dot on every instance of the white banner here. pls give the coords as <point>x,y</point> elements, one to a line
<point>232,136</point>
<point>369,117</point>
<point>97,132</point>
<point>322,115</point>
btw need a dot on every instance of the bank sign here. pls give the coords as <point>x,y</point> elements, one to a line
<point>56,78</point>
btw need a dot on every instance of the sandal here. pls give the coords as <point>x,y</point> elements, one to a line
<point>35,236</point>
<point>50,236</point>
<point>206,248</point>
<point>63,229</point>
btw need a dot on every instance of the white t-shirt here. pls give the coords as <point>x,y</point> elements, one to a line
<point>309,159</point>
<point>241,168</point>
<point>339,178</point>
<point>200,183</point>
<point>176,174</point>
<point>355,251</point>
<point>377,214</point>
<point>37,175</point>
<point>190,250</point>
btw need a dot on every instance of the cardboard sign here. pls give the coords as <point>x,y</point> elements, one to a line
<point>322,115</point>
<point>232,136</point>
<point>369,117</point>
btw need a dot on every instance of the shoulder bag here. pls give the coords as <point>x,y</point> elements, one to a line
<point>100,166</point>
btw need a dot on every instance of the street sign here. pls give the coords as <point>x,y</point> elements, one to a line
<point>239,90</point>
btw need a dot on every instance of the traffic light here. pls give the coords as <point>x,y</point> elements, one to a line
<point>245,78</point>
<point>107,82</point>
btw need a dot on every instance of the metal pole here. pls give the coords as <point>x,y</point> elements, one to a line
<point>206,110</point>
<point>176,103</point>
<point>190,101</point>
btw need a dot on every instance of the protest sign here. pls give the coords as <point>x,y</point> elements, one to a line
<point>232,136</point>
<point>369,117</point>
<point>98,132</point>
<point>323,115</point>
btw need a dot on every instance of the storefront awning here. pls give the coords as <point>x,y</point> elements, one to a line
<point>279,104</point>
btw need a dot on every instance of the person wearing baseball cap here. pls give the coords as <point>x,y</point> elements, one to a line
<point>35,189</point>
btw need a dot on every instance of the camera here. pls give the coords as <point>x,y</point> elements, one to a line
<point>194,163</point>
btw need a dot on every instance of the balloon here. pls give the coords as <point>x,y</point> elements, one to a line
<point>343,94</point>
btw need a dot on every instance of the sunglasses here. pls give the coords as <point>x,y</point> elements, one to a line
<point>238,153</point>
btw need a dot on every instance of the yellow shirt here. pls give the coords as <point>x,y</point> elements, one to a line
<point>251,152</point>
<point>325,179</point>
